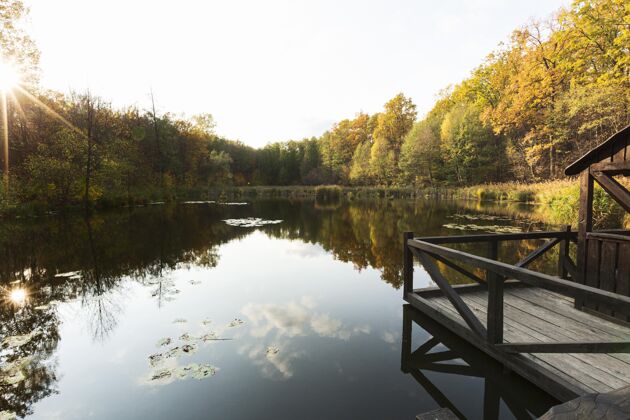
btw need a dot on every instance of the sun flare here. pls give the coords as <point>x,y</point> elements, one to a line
<point>18,296</point>
<point>9,77</point>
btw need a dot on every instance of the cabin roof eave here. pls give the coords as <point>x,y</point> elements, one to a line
<point>592,156</point>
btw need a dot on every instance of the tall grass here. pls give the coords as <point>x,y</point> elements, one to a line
<point>558,201</point>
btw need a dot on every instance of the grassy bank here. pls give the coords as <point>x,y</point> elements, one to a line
<point>556,201</point>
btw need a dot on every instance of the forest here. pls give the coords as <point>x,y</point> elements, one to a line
<point>545,96</point>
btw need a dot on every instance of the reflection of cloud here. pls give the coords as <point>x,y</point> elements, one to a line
<point>292,319</point>
<point>296,319</point>
<point>272,366</point>
<point>390,337</point>
<point>305,250</point>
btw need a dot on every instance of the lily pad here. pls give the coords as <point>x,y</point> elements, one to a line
<point>235,323</point>
<point>156,359</point>
<point>161,374</point>
<point>272,351</point>
<point>251,222</point>
<point>182,350</point>
<point>164,341</point>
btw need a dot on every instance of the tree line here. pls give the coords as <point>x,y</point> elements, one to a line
<point>557,88</point>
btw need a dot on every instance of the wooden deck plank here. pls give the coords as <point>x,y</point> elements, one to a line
<point>578,370</point>
<point>551,380</point>
<point>601,367</point>
<point>542,298</point>
<point>605,368</point>
<point>555,363</point>
<point>604,329</point>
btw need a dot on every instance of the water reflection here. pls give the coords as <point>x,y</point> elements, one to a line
<point>504,395</point>
<point>93,263</point>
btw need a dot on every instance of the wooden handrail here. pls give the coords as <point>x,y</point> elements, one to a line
<point>608,237</point>
<point>614,301</point>
<point>497,237</point>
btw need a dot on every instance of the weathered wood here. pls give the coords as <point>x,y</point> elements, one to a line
<point>439,414</point>
<point>493,237</point>
<point>495,298</point>
<point>597,372</point>
<point>452,296</point>
<point>538,252</point>
<point>407,264</point>
<point>428,292</point>
<point>585,225</point>
<point>616,191</point>
<point>568,347</point>
<point>569,288</point>
<point>570,267</point>
<point>613,405</point>
<point>611,237</point>
<point>459,269</point>
<point>599,153</point>
<point>547,379</point>
<point>565,247</point>
<point>612,168</point>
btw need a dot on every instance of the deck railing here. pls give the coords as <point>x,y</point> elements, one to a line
<point>499,275</point>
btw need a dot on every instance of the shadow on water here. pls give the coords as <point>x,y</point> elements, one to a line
<point>505,395</point>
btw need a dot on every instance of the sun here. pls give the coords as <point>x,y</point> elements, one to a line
<point>9,77</point>
<point>18,296</point>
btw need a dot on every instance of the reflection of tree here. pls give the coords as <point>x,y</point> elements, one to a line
<point>40,377</point>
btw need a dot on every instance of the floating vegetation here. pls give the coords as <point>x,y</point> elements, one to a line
<point>199,202</point>
<point>179,321</point>
<point>7,415</point>
<point>206,322</point>
<point>251,222</point>
<point>192,370</point>
<point>72,275</point>
<point>164,342</point>
<point>486,228</point>
<point>488,217</point>
<point>181,350</point>
<point>236,322</point>
<point>272,351</point>
<point>161,374</point>
<point>186,337</point>
<point>155,359</point>
<point>19,340</point>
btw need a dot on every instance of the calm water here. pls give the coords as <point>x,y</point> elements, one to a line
<point>169,312</point>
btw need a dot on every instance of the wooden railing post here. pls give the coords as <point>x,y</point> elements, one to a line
<point>407,265</point>
<point>495,298</point>
<point>564,253</point>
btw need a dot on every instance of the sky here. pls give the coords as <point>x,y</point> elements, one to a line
<point>270,70</point>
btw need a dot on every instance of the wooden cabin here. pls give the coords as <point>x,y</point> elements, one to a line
<point>603,258</point>
<point>567,333</point>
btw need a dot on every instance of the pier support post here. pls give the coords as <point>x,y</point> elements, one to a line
<point>407,265</point>
<point>495,298</point>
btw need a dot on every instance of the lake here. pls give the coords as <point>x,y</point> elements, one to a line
<point>196,310</point>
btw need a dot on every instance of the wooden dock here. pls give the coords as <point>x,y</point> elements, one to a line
<point>526,320</point>
<point>568,333</point>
